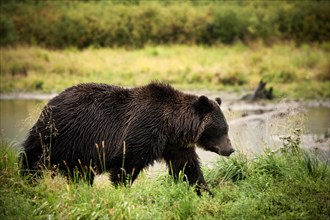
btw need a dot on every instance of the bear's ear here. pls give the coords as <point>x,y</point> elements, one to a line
<point>218,99</point>
<point>203,105</point>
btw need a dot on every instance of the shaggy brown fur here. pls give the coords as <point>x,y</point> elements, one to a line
<point>104,128</point>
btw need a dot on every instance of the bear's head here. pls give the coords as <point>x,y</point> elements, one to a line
<point>214,135</point>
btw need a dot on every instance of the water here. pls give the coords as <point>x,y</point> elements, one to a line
<point>17,117</point>
<point>318,121</point>
<point>252,127</point>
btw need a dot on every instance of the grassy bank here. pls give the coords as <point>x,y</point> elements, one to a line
<point>289,184</point>
<point>301,72</point>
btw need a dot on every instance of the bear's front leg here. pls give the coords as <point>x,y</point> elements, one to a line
<point>186,160</point>
<point>122,176</point>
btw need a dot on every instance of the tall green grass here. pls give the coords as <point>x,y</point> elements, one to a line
<point>81,24</point>
<point>292,71</point>
<point>286,184</point>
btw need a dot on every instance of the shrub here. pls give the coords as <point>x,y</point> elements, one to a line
<point>59,24</point>
<point>7,31</point>
<point>227,27</point>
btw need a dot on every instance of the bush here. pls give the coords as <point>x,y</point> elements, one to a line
<point>227,27</point>
<point>7,31</point>
<point>59,24</point>
<point>305,22</point>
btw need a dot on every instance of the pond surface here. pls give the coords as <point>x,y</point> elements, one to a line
<point>17,117</point>
<point>253,127</point>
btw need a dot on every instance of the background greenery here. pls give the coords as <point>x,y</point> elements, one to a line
<point>61,24</point>
<point>47,46</point>
<point>298,72</point>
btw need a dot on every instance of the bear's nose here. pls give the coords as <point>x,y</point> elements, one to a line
<point>231,151</point>
<point>227,153</point>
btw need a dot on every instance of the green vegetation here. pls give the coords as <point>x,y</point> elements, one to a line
<point>287,184</point>
<point>62,24</point>
<point>299,72</point>
<point>228,44</point>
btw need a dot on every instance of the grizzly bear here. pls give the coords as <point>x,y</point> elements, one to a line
<point>95,128</point>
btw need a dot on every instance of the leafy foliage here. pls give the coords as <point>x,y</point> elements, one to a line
<point>63,24</point>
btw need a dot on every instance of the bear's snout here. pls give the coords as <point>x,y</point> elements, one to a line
<point>227,153</point>
<point>226,148</point>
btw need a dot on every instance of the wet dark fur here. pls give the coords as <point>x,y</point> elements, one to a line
<point>131,127</point>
